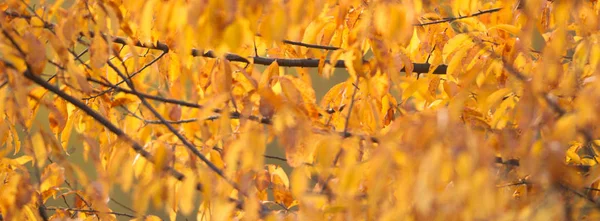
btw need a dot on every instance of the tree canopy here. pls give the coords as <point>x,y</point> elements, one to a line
<point>219,110</point>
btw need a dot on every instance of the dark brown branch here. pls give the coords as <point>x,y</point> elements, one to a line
<point>444,20</point>
<point>509,162</point>
<point>283,62</point>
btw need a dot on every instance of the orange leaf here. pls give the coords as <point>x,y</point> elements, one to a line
<point>222,79</point>
<point>98,52</point>
<point>36,53</point>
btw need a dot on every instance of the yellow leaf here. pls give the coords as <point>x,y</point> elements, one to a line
<point>458,42</point>
<point>307,93</point>
<point>290,91</point>
<point>394,21</point>
<point>22,159</point>
<point>147,19</point>
<point>274,26</point>
<point>52,178</point>
<point>221,80</point>
<point>354,63</point>
<point>281,193</point>
<point>122,99</point>
<point>500,117</point>
<point>39,149</point>
<point>262,180</point>
<point>414,87</point>
<point>572,156</point>
<point>455,65</point>
<point>36,53</point>
<point>98,52</point>
<point>494,98</point>
<point>65,135</point>
<point>277,171</point>
<point>58,115</point>
<point>78,78</point>
<point>464,7</point>
<point>333,96</point>
<point>456,105</point>
<point>595,56</point>
<point>311,32</point>
<point>37,22</point>
<point>187,192</point>
<point>433,85</point>
<point>300,181</point>
<point>161,156</point>
<point>215,157</point>
<point>269,102</point>
<point>270,72</point>
<point>514,30</point>
<point>126,174</point>
<point>565,128</point>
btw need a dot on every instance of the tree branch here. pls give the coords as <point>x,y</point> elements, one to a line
<point>283,62</point>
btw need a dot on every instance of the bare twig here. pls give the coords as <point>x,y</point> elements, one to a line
<point>308,63</point>
<point>350,108</point>
<point>444,20</point>
<point>310,45</point>
<point>88,211</point>
<point>130,76</point>
<point>157,121</point>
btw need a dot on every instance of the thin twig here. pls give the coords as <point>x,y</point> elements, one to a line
<point>444,20</point>
<point>123,205</point>
<point>130,76</point>
<point>157,121</point>
<point>310,45</point>
<point>350,108</point>
<point>89,211</point>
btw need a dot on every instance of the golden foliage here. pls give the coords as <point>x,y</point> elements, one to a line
<point>212,110</point>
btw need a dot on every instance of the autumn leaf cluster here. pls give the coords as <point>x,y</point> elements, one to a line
<point>217,110</point>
